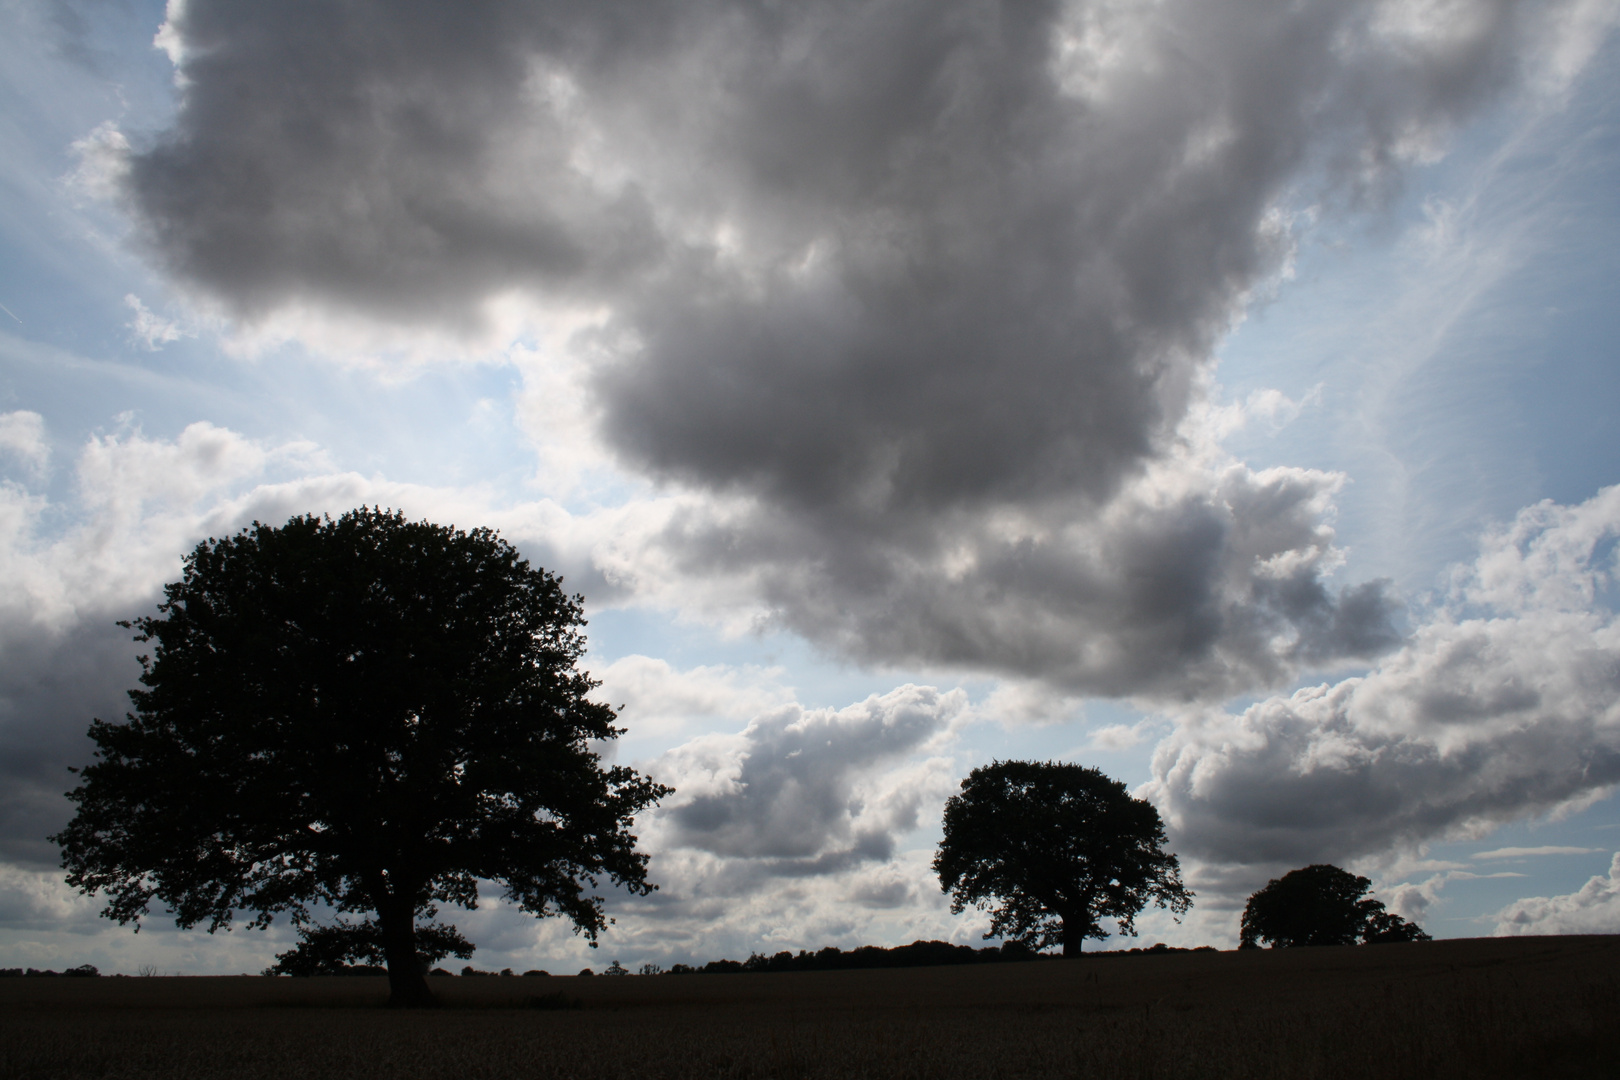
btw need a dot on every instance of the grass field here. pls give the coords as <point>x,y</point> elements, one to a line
<point>1491,1007</point>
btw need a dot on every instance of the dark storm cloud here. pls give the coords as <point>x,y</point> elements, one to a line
<point>1200,592</point>
<point>344,152</point>
<point>930,286</point>
<point>51,685</point>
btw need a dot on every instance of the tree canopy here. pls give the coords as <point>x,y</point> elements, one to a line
<point>371,714</point>
<point>1052,849</point>
<point>1321,905</point>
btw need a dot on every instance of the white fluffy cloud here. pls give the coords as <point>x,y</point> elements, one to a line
<point>149,329</point>
<point>801,791</point>
<point>22,437</point>
<point>659,700</point>
<point>1505,703</point>
<point>1592,909</point>
<point>788,833</point>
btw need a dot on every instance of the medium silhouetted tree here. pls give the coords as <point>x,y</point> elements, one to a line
<point>1321,905</point>
<point>1052,849</point>
<point>368,713</point>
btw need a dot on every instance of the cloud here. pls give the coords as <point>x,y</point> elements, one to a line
<point>1117,737</point>
<point>789,833</point>
<point>22,437</point>
<point>656,699</point>
<point>1502,705</point>
<point>41,900</point>
<point>149,329</point>
<point>797,789</point>
<point>1198,580</point>
<point>914,299</point>
<point>708,907</point>
<point>103,164</point>
<point>1593,909</point>
<point>1528,852</point>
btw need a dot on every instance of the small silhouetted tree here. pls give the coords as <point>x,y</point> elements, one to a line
<point>369,713</point>
<point>1052,849</point>
<point>335,949</point>
<point>1321,905</point>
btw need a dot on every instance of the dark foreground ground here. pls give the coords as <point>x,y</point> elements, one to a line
<point>1526,1007</point>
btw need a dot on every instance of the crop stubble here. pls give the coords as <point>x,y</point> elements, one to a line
<point>1515,1007</point>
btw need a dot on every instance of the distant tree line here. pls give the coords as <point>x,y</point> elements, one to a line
<point>831,958</point>
<point>83,971</point>
<point>917,954</point>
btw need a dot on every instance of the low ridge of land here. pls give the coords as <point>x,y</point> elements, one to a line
<point>1481,1007</point>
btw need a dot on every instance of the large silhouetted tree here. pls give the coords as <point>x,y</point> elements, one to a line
<point>368,713</point>
<point>1321,905</point>
<point>1052,849</point>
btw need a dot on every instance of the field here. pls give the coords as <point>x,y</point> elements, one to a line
<point>1520,1007</point>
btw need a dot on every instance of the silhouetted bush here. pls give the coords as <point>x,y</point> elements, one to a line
<point>586,971</point>
<point>536,971</point>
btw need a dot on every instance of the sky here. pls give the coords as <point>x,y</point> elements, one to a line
<point>1222,394</point>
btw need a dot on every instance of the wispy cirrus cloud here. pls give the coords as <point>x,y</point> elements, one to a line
<point>1534,852</point>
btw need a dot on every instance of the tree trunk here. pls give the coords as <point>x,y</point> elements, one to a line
<point>407,982</point>
<point>1074,937</point>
